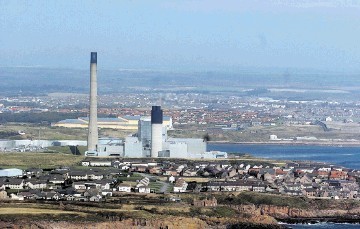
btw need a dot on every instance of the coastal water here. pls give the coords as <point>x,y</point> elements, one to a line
<point>344,156</point>
<point>323,226</point>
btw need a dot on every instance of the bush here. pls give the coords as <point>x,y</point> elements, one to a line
<point>195,211</point>
<point>224,211</point>
<point>266,199</point>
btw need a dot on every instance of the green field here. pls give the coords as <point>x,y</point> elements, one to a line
<point>250,134</point>
<point>46,132</point>
<point>38,160</point>
<point>43,132</point>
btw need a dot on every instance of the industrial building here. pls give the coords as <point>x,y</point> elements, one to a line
<point>11,172</point>
<point>142,143</point>
<point>151,139</point>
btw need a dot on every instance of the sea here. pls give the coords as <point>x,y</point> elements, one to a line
<point>323,226</point>
<point>345,156</point>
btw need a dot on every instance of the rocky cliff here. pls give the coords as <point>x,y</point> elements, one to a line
<point>285,213</point>
<point>169,223</point>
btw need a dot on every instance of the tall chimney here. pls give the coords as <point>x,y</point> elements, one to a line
<point>93,129</point>
<point>156,130</point>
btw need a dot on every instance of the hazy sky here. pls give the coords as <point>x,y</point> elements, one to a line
<point>182,35</point>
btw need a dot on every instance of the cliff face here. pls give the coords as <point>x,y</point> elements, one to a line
<point>163,223</point>
<point>263,216</point>
<point>181,223</point>
<point>287,212</point>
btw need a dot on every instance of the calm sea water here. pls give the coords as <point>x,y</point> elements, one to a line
<point>345,156</point>
<point>324,226</point>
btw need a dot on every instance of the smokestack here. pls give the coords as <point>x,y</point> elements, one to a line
<point>93,129</point>
<point>156,130</point>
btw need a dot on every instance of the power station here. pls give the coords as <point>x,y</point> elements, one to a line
<point>151,140</point>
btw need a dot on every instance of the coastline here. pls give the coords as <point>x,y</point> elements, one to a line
<point>317,220</point>
<point>295,143</point>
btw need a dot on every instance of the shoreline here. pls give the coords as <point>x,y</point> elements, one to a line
<point>291,143</point>
<point>319,220</point>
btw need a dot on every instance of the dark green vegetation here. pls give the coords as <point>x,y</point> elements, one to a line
<point>264,199</point>
<point>44,117</point>
<point>5,134</point>
<point>75,150</point>
<point>220,212</point>
<point>38,160</point>
<point>42,131</point>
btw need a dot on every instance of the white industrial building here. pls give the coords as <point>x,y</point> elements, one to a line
<point>152,130</point>
<point>140,145</point>
<point>34,145</point>
<point>151,139</point>
<point>11,172</point>
<point>133,147</point>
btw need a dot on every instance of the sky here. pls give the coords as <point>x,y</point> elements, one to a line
<point>183,35</point>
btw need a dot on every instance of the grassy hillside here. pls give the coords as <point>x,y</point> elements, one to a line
<point>38,160</point>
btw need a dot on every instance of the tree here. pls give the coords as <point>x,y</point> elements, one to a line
<point>206,137</point>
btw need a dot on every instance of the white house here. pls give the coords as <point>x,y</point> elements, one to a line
<point>36,184</point>
<point>124,188</point>
<point>144,189</point>
<point>172,179</point>
<point>101,185</point>
<point>15,184</point>
<point>100,163</point>
<point>85,163</point>
<point>16,197</point>
<point>180,185</point>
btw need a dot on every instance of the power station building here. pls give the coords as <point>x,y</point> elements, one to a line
<point>151,139</point>
<point>154,142</point>
<point>141,144</point>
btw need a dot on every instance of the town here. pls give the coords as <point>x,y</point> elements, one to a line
<point>234,118</point>
<point>99,179</point>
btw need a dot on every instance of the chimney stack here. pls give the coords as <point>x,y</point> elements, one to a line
<point>156,130</point>
<point>93,128</point>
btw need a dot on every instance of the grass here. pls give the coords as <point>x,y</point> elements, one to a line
<point>45,132</point>
<point>38,160</point>
<point>156,186</point>
<point>170,188</point>
<point>33,211</point>
<point>262,133</point>
<point>34,131</point>
<point>169,207</point>
<point>196,179</point>
<point>129,178</point>
<point>264,198</point>
<point>251,134</point>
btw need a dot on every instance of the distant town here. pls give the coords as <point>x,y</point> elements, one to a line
<point>224,118</point>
